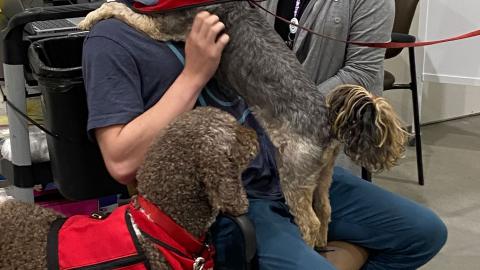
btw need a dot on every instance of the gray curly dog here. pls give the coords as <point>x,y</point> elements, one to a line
<point>306,127</point>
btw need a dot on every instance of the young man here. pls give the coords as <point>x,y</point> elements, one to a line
<point>136,86</point>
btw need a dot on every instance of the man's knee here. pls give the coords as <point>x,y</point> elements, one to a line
<point>431,235</point>
<point>422,241</point>
<point>415,245</point>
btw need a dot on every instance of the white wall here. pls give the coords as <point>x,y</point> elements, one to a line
<point>440,101</point>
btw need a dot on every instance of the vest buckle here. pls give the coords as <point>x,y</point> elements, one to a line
<point>199,263</point>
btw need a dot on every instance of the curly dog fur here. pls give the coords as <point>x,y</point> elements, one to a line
<point>195,164</point>
<point>306,127</point>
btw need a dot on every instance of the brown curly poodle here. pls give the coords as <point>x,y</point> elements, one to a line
<point>195,164</point>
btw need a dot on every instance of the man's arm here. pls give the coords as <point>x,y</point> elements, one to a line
<point>372,21</point>
<point>124,146</point>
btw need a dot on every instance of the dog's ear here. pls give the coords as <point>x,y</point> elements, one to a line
<point>368,126</point>
<point>223,186</point>
<point>246,146</point>
<point>222,168</point>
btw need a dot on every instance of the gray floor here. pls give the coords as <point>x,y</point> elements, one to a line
<point>451,152</point>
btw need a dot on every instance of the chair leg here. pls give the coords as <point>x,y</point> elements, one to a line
<point>416,116</point>
<point>366,175</point>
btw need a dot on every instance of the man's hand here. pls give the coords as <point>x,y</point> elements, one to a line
<point>204,47</point>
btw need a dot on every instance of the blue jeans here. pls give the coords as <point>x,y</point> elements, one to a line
<point>399,233</point>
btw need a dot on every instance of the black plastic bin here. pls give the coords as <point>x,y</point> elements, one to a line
<point>77,166</point>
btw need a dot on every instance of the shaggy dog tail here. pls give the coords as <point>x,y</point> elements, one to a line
<point>368,127</point>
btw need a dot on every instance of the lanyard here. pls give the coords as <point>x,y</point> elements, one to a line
<point>294,28</point>
<point>297,7</point>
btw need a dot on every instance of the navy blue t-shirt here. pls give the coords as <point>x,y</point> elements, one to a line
<point>126,72</point>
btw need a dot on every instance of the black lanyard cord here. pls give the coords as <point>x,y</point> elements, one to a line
<point>29,119</point>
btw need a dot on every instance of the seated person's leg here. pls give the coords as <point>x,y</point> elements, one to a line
<point>279,244</point>
<point>399,233</point>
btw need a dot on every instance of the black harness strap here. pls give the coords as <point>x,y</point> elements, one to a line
<point>140,252</point>
<point>52,244</point>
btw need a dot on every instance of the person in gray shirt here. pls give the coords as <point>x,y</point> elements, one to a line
<point>331,63</point>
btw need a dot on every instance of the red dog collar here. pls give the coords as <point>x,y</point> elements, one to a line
<point>171,5</point>
<point>181,249</point>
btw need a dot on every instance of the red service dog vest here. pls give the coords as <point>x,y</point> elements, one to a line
<point>83,242</point>
<point>171,5</point>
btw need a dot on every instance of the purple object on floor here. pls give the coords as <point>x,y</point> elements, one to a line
<point>70,208</point>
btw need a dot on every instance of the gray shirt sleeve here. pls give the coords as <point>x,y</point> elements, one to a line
<point>372,21</point>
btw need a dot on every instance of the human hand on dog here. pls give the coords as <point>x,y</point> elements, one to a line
<point>204,47</point>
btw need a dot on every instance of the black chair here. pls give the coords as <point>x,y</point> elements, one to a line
<point>404,12</point>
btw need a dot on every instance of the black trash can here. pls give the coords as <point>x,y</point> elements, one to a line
<point>77,165</point>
